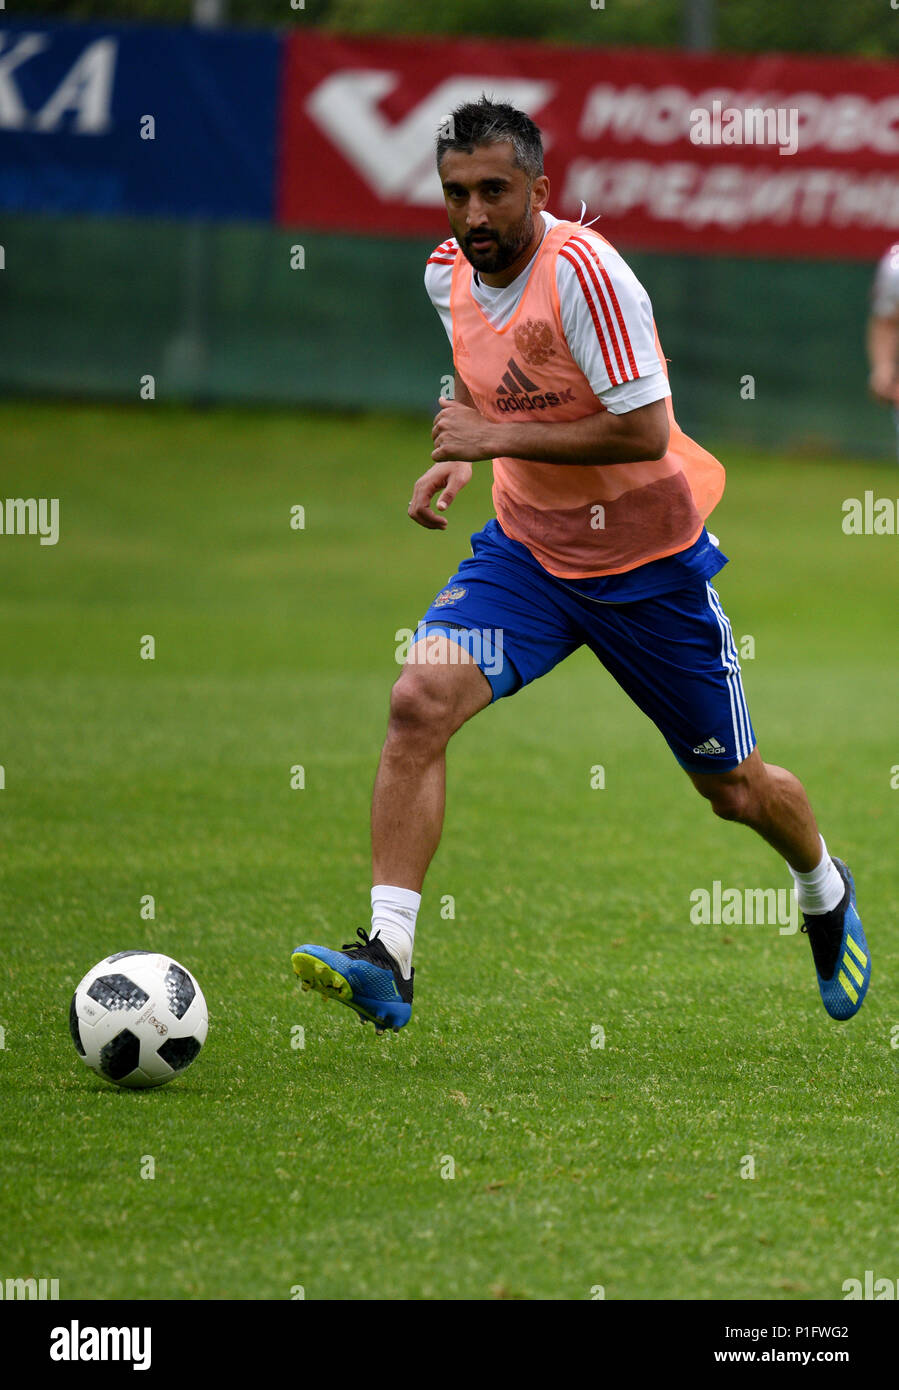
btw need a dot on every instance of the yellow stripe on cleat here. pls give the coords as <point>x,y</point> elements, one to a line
<point>850,990</point>
<point>853,969</point>
<point>857,952</point>
<point>318,975</point>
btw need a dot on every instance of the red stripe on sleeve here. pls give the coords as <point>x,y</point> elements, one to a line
<point>581,241</point>
<point>572,259</point>
<point>590,266</point>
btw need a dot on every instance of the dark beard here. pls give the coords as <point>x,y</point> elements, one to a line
<point>504,250</point>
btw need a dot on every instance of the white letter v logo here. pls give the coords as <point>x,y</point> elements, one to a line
<point>398,160</point>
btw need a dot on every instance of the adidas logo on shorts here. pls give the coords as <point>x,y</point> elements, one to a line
<point>710,746</point>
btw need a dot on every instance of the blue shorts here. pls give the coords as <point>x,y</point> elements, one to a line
<point>673,653</point>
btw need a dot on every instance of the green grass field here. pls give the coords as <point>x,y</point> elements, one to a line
<point>575,1166</point>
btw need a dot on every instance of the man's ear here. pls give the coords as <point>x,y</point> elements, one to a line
<point>539,193</point>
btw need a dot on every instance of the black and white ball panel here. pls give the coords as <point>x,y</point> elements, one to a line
<point>117,992</point>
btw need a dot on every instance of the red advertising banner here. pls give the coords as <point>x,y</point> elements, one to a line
<point>761,155</point>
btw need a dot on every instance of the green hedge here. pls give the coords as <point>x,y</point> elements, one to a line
<point>215,313</point>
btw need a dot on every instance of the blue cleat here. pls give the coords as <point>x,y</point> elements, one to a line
<point>842,958</point>
<point>363,975</point>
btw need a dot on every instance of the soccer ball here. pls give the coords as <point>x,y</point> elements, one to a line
<point>138,1018</point>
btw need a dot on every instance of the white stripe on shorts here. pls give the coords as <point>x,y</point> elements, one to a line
<point>730,662</point>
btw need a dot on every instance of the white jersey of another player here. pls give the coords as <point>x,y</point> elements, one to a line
<point>883,333</point>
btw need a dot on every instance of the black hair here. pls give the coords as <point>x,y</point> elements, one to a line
<point>487,122</point>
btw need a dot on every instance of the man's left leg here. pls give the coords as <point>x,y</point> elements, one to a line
<point>676,657</point>
<point>773,802</point>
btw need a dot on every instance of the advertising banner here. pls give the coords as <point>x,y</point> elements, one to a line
<point>760,155</point>
<point>137,120</point>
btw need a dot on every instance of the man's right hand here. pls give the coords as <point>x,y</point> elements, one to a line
<point>446,478</point>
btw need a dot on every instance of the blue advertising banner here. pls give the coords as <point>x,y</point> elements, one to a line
<point>132,120</point>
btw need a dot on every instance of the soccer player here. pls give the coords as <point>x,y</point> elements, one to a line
<point>883,334</point>
<point>599,540</point>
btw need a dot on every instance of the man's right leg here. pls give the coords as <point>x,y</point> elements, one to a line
<point>440,687</point>
<point>500,622</point>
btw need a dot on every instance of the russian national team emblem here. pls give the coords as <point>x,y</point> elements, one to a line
<point>447,596</point>
<point>534,340</point>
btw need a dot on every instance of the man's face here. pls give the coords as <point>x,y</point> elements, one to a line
<point>490,204</point>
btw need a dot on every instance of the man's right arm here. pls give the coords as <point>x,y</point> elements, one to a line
<point>447,478</point>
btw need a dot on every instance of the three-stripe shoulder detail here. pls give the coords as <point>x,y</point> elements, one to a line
<point>444,254</point>
<point>605,310</point>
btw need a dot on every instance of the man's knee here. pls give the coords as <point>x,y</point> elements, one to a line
<point>416,702</point>
<point>732,803</point>
<point>430,702</point>
<point>739,795</point>
<point>735,800</point>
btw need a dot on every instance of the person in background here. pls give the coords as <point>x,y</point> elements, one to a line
<point>883,334</point>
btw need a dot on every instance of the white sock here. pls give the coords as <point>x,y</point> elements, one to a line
<point>821,890</point>
<point>393,914</point>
